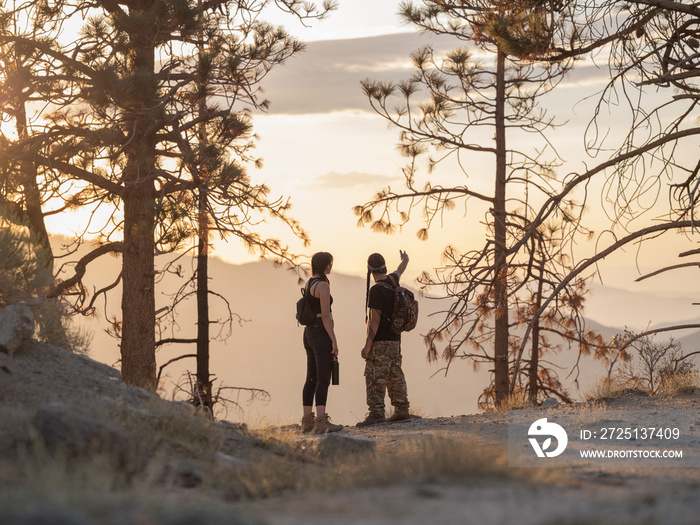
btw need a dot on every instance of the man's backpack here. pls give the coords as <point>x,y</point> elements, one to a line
<point>405,314</point>
<point>305,313</point>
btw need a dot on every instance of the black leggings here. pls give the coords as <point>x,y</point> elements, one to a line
<point>318,346</point>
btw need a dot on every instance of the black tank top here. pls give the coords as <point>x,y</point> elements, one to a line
<point>315,302</point>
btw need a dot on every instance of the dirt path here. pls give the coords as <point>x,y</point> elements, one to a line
<point>564,496</point>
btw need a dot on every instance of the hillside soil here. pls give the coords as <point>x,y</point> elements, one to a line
<point>191,471</point>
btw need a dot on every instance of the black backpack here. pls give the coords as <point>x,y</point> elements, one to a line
<point>405,314</point>
<point>305,313</point>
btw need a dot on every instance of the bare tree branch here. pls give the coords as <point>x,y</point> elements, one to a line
<point>674,267</point>
<point>81,267</point>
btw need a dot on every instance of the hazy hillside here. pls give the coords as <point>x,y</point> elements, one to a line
<point>638,310</point>
<point>266,352</point>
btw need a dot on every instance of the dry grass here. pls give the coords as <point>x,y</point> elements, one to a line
<point>175,425</point>
<point>277,464</point>
<point>516,401</point>
<point>679,384</point>
<point>430,459</point>
<point>590,413</point>
<point>613,388</point>
<point>669,386</point>
<point>270,461</point>
<point>55,490</point>
<point>417,412</point>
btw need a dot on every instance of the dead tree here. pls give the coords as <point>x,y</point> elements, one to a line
<point>443,112</point>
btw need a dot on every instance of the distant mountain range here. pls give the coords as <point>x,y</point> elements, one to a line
<point>265,351</point>
<point>638,310</point>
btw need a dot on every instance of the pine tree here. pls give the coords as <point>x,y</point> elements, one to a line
<point>28,77</point>
<point>127,132</point>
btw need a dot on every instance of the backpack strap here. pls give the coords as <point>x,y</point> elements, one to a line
<point>389,283</point>
<point>394,280</point>
<point>308,285</point>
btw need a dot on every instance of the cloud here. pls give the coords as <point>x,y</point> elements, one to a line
<point>335,180</point>
<point>326,77</point>
<point>586,74</point>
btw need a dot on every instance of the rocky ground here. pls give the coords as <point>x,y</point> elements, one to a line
<point>81,448</point>
<point>525,496</point>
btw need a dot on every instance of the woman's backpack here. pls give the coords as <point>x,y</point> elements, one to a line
<point>405,316</point>
<point>305,313</point>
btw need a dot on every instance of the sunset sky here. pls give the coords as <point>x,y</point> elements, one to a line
<point>324,147</point>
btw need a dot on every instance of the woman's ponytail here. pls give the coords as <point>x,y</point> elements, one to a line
<point>367,299</point>
<point>375,263</point>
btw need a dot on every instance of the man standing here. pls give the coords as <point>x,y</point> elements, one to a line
<point>382,350</point>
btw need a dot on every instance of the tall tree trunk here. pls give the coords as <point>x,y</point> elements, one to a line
<point>32,195</point>
<point>500,282</point>
<point>138,273</point>
<point>203,390</point>
<point>34,217</point>
<point>535,354</point>
<point>138,299</point>
<point>204,396</point>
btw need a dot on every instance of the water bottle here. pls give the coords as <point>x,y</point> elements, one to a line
<point>335,371</point>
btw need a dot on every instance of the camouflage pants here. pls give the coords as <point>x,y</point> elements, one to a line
<point>382,372</point>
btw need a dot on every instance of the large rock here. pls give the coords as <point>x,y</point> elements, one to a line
<point>16,327</point>
<point>338,446</point>
<point>75,433</point>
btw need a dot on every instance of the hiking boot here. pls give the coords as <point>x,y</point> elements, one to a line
<point>324,425</point>
<point>308,422</point>
<point>399,415</point>
<point>372,420</point>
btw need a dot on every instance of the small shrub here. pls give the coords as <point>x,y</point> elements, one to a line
<point>677,375</point>
<point>26,277</point>
<point>56,327</point>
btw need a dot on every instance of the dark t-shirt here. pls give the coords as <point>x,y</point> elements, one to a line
<point>382,298</point>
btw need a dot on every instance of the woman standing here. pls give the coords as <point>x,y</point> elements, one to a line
<point>320,345</point>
